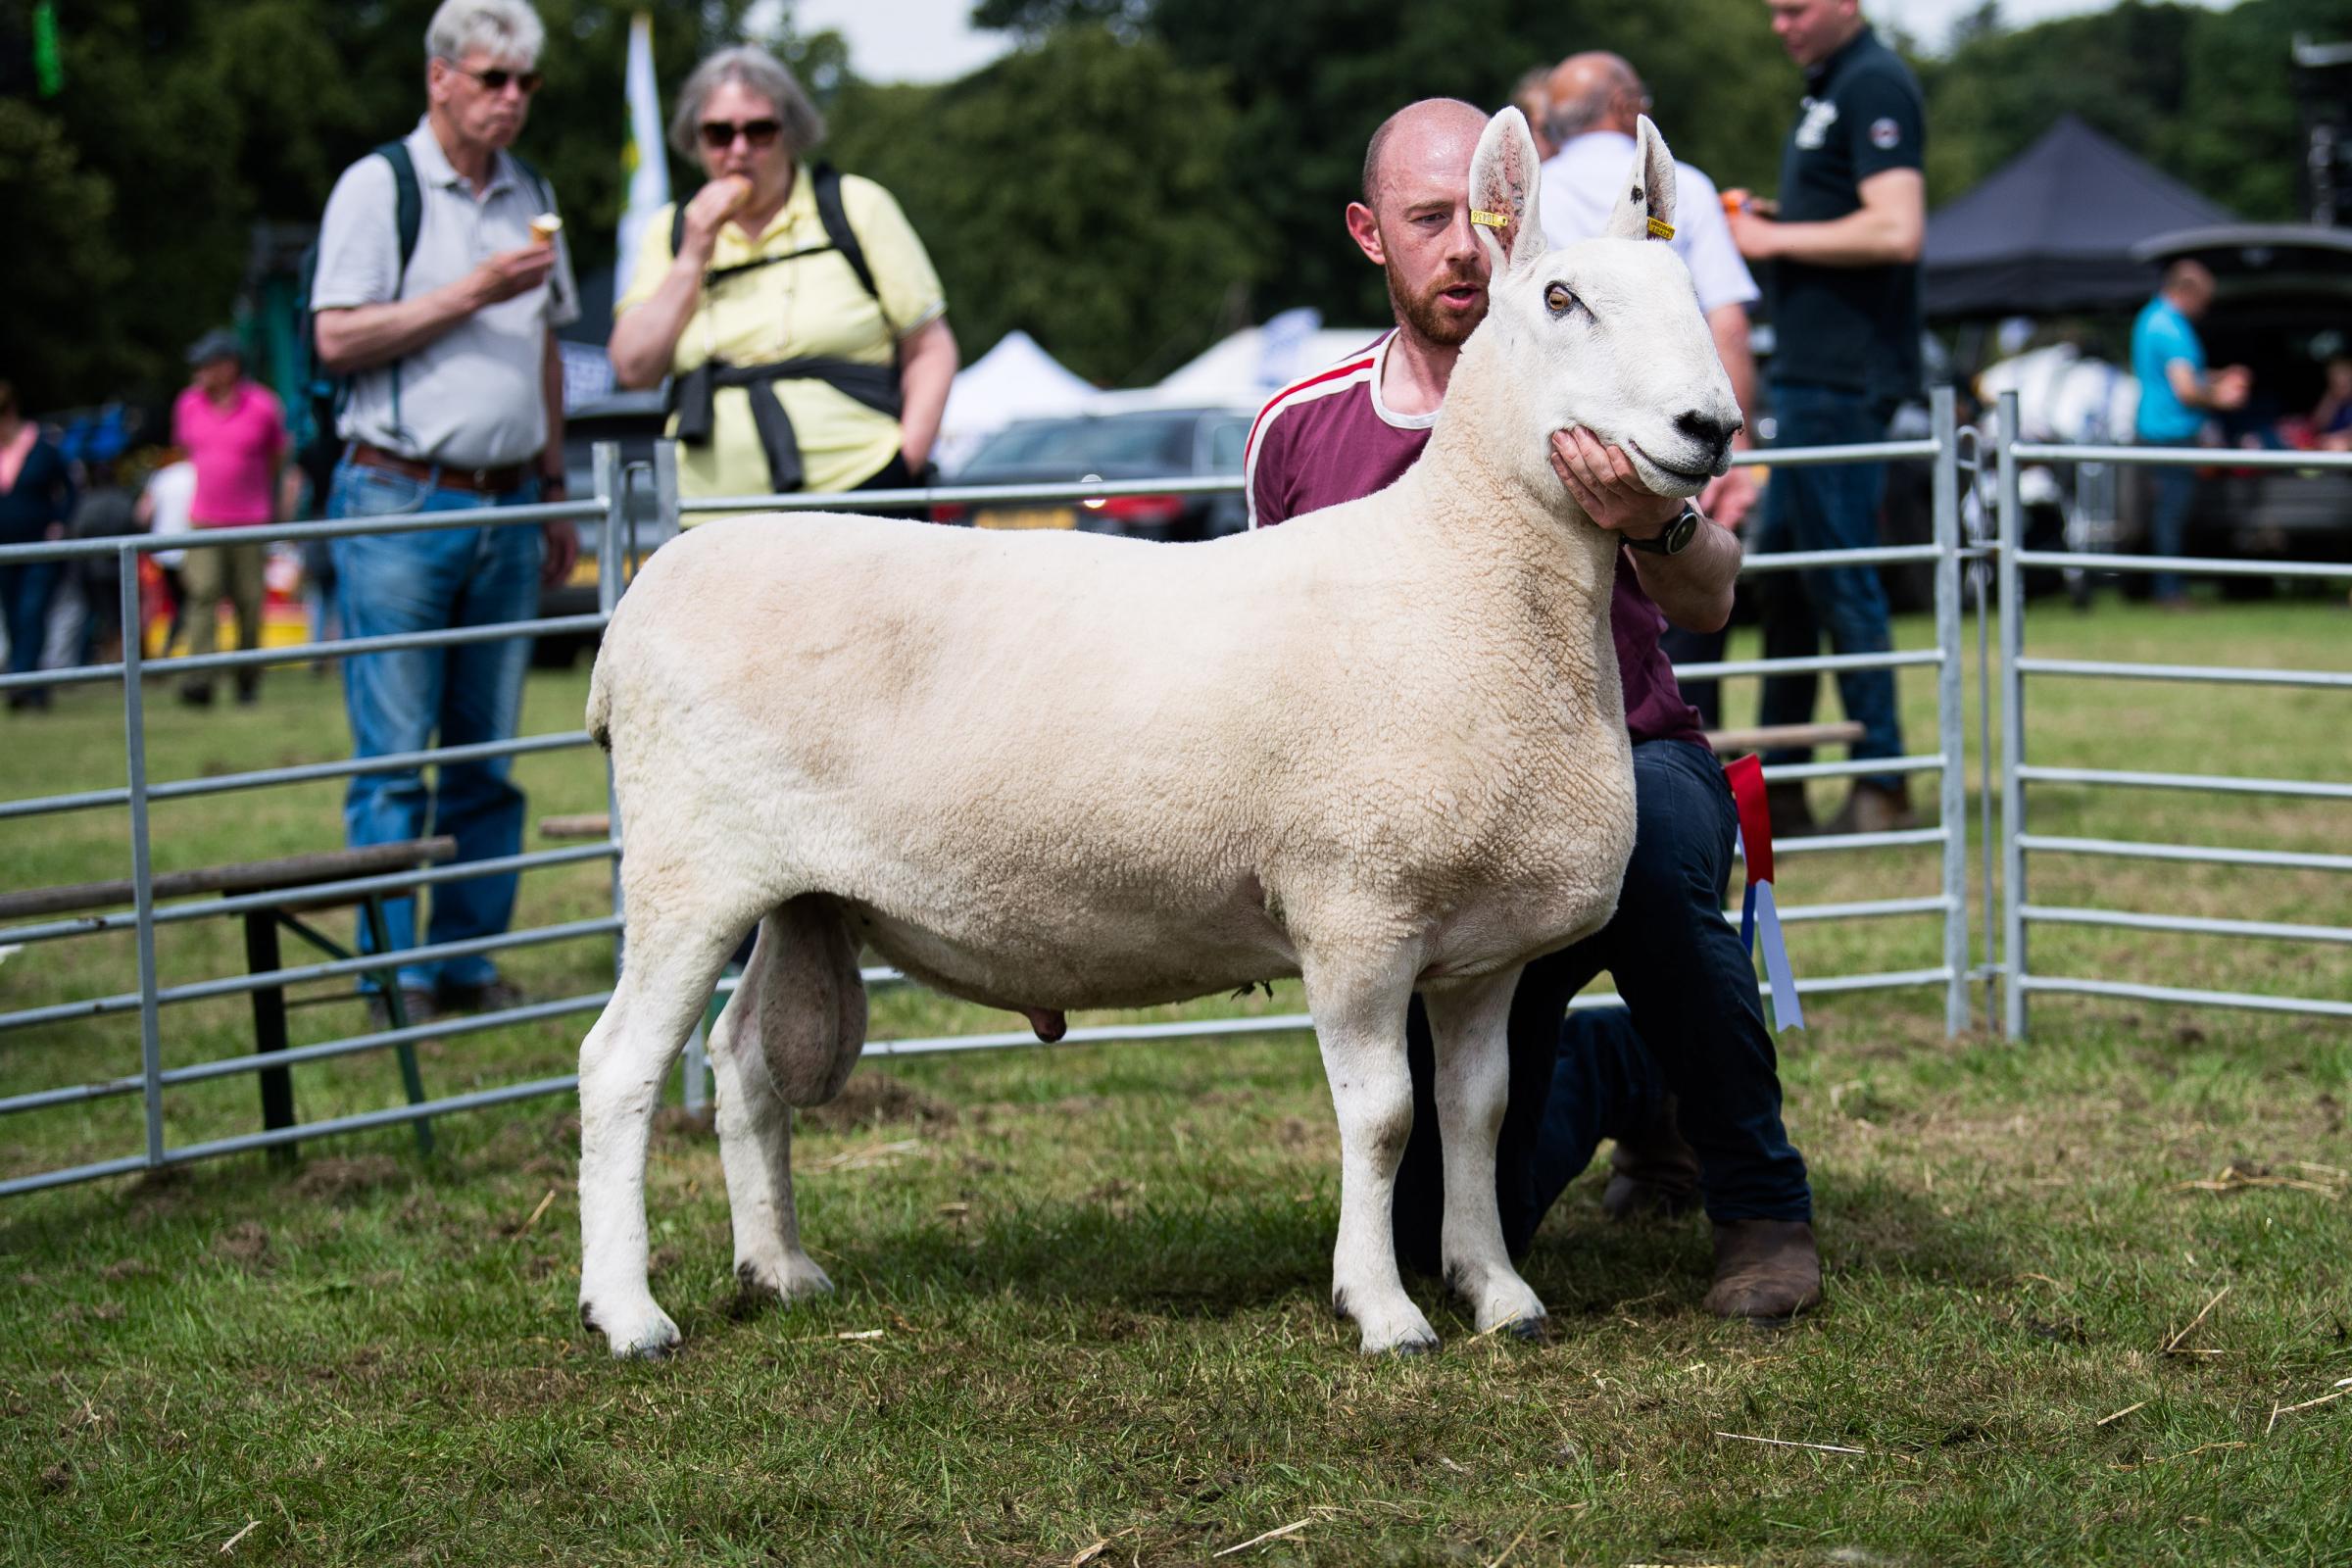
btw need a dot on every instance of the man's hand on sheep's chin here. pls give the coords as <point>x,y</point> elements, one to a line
<point>1602,480</point>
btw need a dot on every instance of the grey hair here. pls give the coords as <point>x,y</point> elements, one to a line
<point>757,71</point>
<point>503,30</point>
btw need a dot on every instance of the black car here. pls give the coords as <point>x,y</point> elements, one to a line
<point>1136,444</point>
<point>2282,308</point>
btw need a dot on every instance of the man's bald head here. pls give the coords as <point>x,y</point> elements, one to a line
<point>1418,135</point>
<point>1594,91</point>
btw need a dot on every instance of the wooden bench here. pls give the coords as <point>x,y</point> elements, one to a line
<point>1783,737</point>
<point>288,877</point>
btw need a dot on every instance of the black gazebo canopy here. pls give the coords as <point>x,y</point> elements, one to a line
<point>2052,230</point>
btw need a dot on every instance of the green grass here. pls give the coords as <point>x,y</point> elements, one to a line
<point>1098,1272</point>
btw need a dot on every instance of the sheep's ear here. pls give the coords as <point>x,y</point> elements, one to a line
<point>1502,192</point>
<point>1645,209</point>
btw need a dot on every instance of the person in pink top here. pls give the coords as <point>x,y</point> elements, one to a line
<point>235,434</point>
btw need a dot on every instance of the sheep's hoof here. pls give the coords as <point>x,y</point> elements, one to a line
<point>1413,1348</point>
<point>645,1335</point>
<point>1534,1330</point>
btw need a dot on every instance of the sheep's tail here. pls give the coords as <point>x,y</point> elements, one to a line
<point>600,706</point>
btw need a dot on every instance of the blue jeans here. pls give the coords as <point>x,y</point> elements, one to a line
<point>1693,1026</point>
<point>1833,508</point>
<point>433,581</point>
<point>25,594</point>
<point>2175,493</point>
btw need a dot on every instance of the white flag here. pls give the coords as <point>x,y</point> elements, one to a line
<point>641,158</point>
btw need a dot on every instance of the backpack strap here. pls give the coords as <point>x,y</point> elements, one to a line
<point>827,180</point>
<point>408,217</point>
<point>407,203</point>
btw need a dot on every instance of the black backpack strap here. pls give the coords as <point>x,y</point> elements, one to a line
<point>408,202</point>
<point>408,217</point>
<point>837,226</point>
<point>678,228</point>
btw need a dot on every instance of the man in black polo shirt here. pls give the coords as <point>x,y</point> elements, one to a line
<point>1843,285</point>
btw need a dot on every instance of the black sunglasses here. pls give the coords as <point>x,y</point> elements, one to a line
<point>720,134</point>
<point>495,80</point>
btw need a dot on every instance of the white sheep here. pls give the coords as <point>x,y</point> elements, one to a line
<point>1381,748</point>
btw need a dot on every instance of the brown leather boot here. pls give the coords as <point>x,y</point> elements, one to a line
<point>1792,814</point>
<point>1654,1174</point>
<point>1875,808</point>
<point>1766,1269</point>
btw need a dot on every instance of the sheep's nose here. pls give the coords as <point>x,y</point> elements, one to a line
<point>1712,433</point>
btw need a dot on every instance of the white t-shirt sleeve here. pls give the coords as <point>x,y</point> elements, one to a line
<point>359,239</point>
<point>1716,266</point>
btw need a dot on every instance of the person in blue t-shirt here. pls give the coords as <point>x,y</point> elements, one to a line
<point>2176,395</point>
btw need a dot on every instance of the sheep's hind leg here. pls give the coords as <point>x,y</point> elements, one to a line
<point>667,977</point>
<point>790,1035</point>
<point>1360,1022</point>
<point>1468,1022</point>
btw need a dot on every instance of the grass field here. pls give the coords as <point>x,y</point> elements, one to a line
<point>2077,1288</point>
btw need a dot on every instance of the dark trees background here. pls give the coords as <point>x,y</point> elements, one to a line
<point>1138,178</point>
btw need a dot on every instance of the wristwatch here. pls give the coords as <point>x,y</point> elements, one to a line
<point>1674,538</point>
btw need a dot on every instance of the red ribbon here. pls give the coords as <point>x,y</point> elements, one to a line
<point>1746,776</point>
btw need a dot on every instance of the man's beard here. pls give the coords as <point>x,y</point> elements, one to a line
<point>1428,315</point>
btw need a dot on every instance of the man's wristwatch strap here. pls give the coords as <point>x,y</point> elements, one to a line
<point>1674,538</point>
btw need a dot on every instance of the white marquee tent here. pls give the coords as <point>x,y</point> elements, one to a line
<point>1014,380</point>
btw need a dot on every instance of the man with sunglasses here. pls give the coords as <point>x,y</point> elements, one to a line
<point>455,404</point>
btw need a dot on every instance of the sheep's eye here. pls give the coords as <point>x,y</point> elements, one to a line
<point>1559,301</point>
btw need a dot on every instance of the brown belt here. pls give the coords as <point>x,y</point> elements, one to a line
<point>441,476</point>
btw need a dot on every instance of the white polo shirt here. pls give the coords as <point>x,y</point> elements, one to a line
<point>473,397</point>
<point>1580,190</point>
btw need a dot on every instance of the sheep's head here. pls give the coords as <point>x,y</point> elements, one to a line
<point>1605,333</point>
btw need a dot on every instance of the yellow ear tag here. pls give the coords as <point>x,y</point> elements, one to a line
<point>1660,228</point>
<point>1485,219</point>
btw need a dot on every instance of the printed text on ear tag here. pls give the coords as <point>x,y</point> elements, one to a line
<point>1660,228</point>
<point>1485,219</point>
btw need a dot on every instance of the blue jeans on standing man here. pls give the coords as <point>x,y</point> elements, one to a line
<point>2175,493</point>
<point>25,594</point>
<point>436,580</point>
<point>1692,1026</point>
<point>1835,507</point>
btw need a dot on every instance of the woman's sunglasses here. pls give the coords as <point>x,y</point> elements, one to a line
<point>720,134</point>
<point>495,80</point>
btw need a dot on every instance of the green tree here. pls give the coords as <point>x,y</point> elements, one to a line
<point>1311,80</point>
<point>2203,95</point>
<point>184,123</point>
<point>1078,189</point>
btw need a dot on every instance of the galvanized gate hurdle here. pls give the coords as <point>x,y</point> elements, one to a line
<point>2017,912</point>
<point>617,551</point>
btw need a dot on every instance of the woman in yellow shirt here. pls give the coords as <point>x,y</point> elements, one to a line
<point>796,307</point>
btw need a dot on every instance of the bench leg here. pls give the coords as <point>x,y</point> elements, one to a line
<point>380,938</point>
<point>270,1028</point>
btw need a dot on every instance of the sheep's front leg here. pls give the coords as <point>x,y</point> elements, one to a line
<point>1468,1022</point>
<point>1360,1022</point>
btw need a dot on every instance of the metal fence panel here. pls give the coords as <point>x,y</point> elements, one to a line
<point>618,553</point>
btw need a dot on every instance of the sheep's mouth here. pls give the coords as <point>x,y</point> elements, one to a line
<point>1695,476</point>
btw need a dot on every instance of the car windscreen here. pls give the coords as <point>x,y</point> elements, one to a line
<point>1155,441</point>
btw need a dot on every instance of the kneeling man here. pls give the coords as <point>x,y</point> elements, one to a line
<point>1692,1053</point>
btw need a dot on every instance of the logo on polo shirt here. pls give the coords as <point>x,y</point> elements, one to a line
<point>1884,133</point>
<point>1819,115</point>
